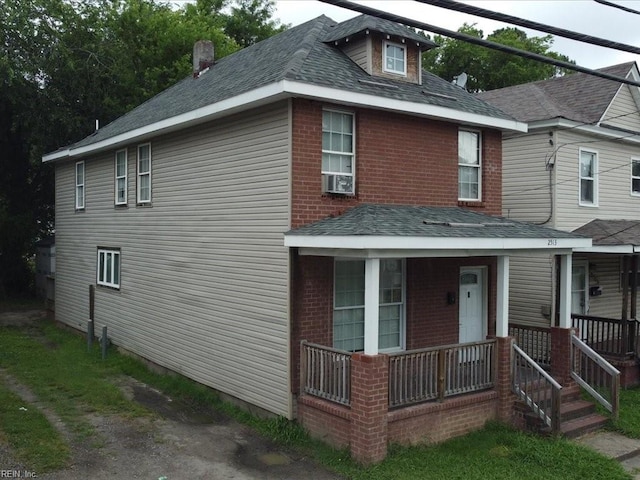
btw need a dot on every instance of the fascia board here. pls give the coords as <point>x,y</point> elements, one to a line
<point>614,249</point>
<point>379,242</point>
<point>580,127</point>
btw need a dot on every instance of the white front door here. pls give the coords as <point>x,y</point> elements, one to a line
<point>579,288</point>
<point>471,317</point>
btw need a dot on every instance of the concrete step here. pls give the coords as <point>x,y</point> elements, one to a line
<point>579,426</point>
<point>570,410</point>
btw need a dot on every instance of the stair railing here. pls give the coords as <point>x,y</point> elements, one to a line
<point>597,376</point>
<point>536,388</point>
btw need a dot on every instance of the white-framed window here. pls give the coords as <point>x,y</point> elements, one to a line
<point>469,165</point>
<point>79,185</point>
<point>108,269</point>
<point>144,173</point>
<point>121,177</point>
<point>394,58</point>
<point>338,156</point>
<point>588,178</point>
<point>348,312</point>
<point>635,176</point>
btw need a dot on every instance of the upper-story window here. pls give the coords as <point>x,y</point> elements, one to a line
<point>469,165</point>
<point>588,185</point>
<point>144,173</point>
<point>395,58</point>
<point>635,176</point>
<point>79,185</point>
<point>338,152</point>
<point>121,177</point>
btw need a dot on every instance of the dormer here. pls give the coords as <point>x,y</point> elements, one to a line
<point>381,48</point>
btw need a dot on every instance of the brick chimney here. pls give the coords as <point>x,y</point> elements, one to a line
<point>202,56</point>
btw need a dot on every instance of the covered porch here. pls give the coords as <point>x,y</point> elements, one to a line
<point>424,292</point>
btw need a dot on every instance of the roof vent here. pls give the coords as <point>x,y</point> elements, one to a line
<point>202,56</point>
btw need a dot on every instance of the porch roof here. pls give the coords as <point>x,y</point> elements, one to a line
<point>390,230</point>
<point>611,236</point>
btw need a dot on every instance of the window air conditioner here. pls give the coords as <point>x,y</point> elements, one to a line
<point>342,184</point>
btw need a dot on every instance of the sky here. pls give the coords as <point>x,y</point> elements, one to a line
<point>582,16</point>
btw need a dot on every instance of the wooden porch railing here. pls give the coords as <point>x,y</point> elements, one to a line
<point>325,372</point>
<point>536,388</point>
<point>595,375</point>
<point>535,341</point>
<point>607,336</point>
<point>438,372</point>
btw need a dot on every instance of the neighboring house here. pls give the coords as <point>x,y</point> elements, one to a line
<point>46,270</point>
<point>577,169</point>
<point>285,225</point>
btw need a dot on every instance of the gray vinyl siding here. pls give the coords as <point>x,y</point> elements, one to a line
<point>204,271</point>
<point>530,289</point>
<point>614,180</point>
<point>525,191</point>
<point>360,53</point>
<point>623,111</point>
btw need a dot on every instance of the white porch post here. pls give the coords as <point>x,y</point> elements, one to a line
<point>565,291</point>
<point>371,305</point>
<point>502,297</point>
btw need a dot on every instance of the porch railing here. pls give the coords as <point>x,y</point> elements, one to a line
<point>536,388</point>
<point>438,372</point>
<point>607,336</point>
<point>535,341</point>
<point>595,375</point>
<point>326,373</point>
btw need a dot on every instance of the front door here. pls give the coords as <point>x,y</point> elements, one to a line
<point>471,317</point>
<point>579,286</point>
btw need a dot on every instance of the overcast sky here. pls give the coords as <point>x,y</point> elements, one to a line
<point>583,16</point>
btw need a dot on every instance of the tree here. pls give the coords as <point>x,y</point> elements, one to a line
<point>489,69</point>
<point>65,64</point>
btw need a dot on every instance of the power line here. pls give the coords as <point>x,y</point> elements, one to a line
<point>476,41</point>
<point>615,5</point>
<point>501,17</point>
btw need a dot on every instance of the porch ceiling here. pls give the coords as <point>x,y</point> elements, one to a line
<point>611,236</point>
<point>402,230</point>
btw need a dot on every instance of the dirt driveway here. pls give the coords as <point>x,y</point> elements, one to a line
<point>178,443</point>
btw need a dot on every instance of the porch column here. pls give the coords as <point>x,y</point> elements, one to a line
<point>371,305</point>
<point>565,291</point>
<point>502,297</point>
<point>561,335</point>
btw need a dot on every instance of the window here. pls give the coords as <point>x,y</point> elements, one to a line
<point>337,151</point>
<point>635,176</point>
<point>469,166</point>
<point>395,58</point>
<point>121,177</point>
<point>79,185</point>
<point>588,182</point>
<point>144,173</point>
<point>108,267</point>
<point>348,313</point>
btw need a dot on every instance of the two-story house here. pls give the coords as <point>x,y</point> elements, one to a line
<point>578,169</point>
<point>310,226</point>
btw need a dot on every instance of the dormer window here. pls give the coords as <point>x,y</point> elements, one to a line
<point>395,58</point>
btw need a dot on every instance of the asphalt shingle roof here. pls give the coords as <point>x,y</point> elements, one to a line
<point>612,232</point>
<point>419,221</point>
<point>300,54</point>
<point>580,97</point>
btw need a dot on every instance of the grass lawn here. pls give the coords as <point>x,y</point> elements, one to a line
<point>628,422</point>
<point>57,368</point>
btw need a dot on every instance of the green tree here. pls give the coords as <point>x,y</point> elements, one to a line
<point>252,21</point>
<point>488,69</point>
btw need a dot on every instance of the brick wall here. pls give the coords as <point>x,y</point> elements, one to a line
<point>400,159</point>
<point>325,421</point>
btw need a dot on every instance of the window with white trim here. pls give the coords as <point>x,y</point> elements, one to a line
<point>395,58</point>
<point>144,173</point>
<point>588,181</point>
<point>635,176</point>
<point>348,312</point>
<point>338,151</point>
<point>469,165</point>
<point>79,185</point>
<point>108,270</point>
<point>121,177</point>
